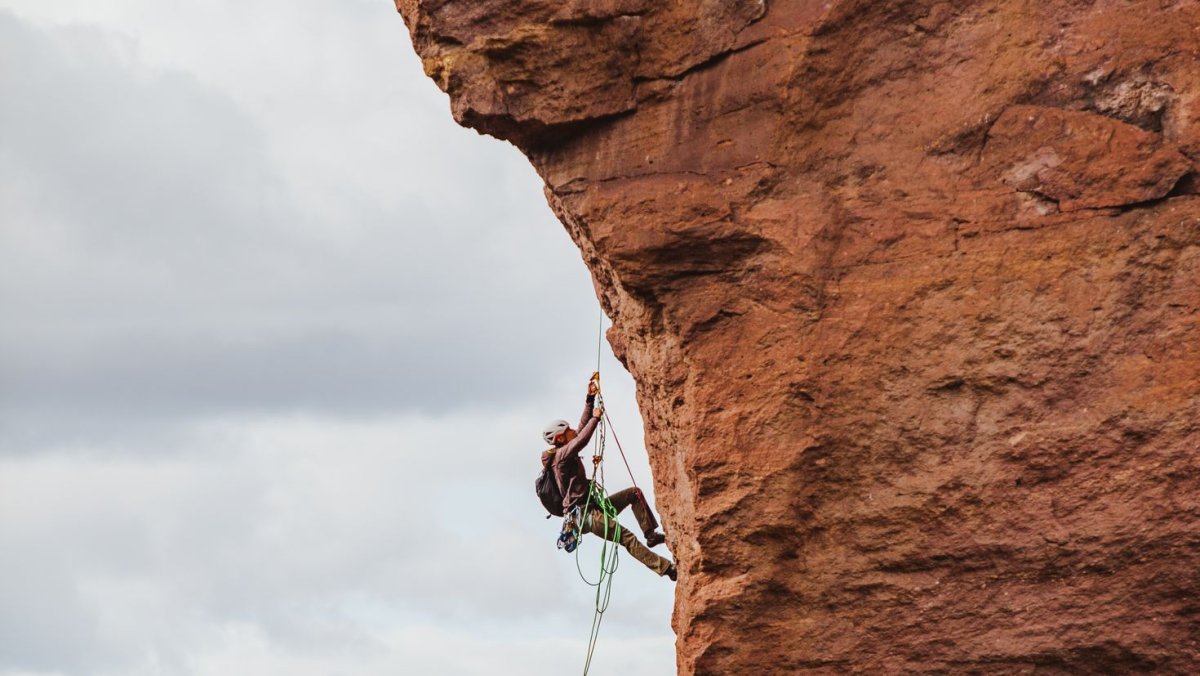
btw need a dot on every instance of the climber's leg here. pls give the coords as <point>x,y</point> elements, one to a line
<point>621,499</point>
<point>633,497</point>
<point>596,526</point>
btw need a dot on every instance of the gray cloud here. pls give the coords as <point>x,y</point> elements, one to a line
<point>154,263</point>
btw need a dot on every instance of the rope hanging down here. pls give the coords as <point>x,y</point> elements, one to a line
<point>600,442</point>
<point>608,548</point>
<point>599,497</point>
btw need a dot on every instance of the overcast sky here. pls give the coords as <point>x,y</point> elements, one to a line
<point>277,340</point>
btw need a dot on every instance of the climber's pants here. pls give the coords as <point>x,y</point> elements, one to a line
<point>596,525</point>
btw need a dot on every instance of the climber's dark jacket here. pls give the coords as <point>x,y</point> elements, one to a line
<point>569,470</point>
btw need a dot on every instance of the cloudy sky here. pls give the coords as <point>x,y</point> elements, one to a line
<point>276,342</point>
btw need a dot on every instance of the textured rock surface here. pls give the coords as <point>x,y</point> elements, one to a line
<point>911,291</point>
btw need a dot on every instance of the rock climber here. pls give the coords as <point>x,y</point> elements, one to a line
<point>571,477</point>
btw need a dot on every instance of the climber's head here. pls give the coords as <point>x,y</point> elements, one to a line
<point>557,433</point>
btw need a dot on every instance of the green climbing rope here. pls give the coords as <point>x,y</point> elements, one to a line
<point>598,498</point>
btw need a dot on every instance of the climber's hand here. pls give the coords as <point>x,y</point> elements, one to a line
<point>598,412</point>
<point>593,388</point>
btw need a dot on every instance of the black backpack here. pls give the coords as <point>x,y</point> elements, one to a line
<point>548,491</point>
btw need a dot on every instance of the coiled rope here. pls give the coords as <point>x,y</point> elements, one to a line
<point>598,497</point>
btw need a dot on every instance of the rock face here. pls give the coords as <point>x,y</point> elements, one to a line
<point>911,291</point>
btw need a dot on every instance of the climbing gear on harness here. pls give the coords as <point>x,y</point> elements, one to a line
<point>554,428</point>
<point>568,539</point>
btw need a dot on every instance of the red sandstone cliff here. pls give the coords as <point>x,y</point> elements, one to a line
<point>911,291</point>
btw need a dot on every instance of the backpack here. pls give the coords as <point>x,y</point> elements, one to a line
<point>548,491</point>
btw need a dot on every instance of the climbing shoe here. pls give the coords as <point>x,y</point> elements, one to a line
<point>671,573</point>
<point>654,538</point>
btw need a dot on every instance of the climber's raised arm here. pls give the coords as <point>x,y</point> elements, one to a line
<point>588,407</point>
<point>586,427</point>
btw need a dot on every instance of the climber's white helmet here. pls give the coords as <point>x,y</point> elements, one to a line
<point>553,429</point>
